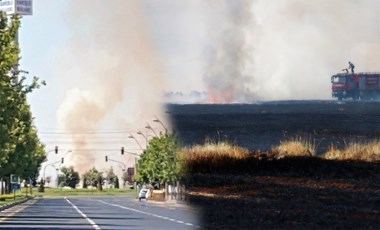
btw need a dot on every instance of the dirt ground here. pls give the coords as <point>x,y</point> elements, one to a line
<point>290,193</point>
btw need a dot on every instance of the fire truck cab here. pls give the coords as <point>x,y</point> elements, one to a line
<point>345,85</point>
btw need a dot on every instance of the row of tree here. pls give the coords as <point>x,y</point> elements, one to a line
<point>93,177</point>
<point>160,163</point>
<point>21,151</point>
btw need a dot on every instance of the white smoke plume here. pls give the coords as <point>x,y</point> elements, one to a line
<point>228,51</point>
<point>115,78</point>
<point>287,49</point>
<point>248,50</point>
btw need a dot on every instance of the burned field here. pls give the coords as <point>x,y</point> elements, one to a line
<point>261,126</point>
<point>264,191</point>
<point>289,193</point>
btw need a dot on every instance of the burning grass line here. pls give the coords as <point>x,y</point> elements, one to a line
<point>223,157</point>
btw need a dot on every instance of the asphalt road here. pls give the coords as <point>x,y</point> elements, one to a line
<point>98,213</point>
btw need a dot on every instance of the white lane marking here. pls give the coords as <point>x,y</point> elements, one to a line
<point>93,224</point>
<point>149,214</point>
<point>12,213</point>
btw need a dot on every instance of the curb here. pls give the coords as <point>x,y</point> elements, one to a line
<point>11,204</point>
<point>167,203</point>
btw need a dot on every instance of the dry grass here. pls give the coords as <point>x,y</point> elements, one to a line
<point>214,150</point>
<point>224,158</point>
<point>297,146</point>
<point>213,157</point>
<point>364,151</point>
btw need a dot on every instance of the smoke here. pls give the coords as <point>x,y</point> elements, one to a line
<point>114,79</point>
<point>228,50</point>
<point>243,50</point>
<point>286,49</point>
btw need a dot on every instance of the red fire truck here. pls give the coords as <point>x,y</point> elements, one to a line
<point>358,86</point>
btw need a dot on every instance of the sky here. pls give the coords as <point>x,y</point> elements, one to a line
<point>109,65</point>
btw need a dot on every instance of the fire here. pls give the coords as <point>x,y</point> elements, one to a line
<point>220,96</point>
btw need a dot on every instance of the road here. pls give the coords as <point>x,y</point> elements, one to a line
<point>98,213</point>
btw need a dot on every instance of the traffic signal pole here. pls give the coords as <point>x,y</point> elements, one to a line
<point>51,164</point>
<point>108,159</point>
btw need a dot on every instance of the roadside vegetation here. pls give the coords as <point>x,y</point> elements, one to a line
<point>8,198</point>
<point>21,151</point>
<point>160,162</point>
<point>89,191</point>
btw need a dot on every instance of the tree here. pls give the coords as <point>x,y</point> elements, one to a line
<point>69,177</point>
<point>84,185</point>
<point>94,177</point>
<point>9,53</point>
<point>160,160</point>
<point>110,176</point>
<point>116,182</point>
<point>27,157</point>
<point>21,151</point>
<point>125,178</point>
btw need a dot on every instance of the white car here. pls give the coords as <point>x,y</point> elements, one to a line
<point>144,194</point>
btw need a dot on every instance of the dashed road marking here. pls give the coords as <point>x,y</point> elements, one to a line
<point>150,214</point>
<point>93,224</point>
<point>12,213</point>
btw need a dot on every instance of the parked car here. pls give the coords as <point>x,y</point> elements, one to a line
<point>144,194</point>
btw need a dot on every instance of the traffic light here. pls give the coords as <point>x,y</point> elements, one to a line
<point>122,150</point>
<point>62,160</point>
<point>56,149</point>
<point>106,158</point>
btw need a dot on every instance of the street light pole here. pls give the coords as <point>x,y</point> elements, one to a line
<point>48,165</point>
<point>150,127</point>
<point>138,143</point>
<point>145,137</point>
<point>159,121</point>
<point>61,161</point>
